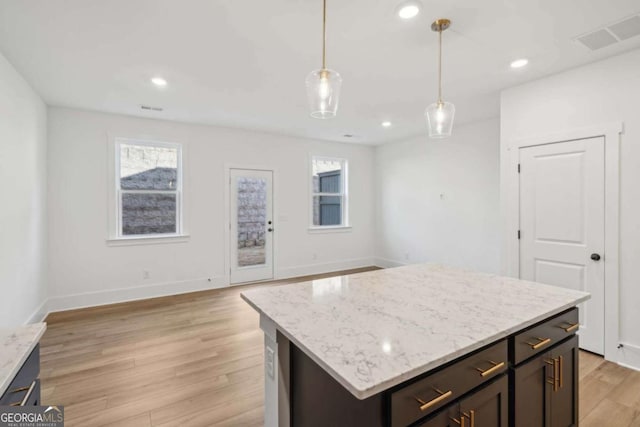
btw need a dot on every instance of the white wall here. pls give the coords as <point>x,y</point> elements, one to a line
<point>23,224</point>
<point>85,270</point>
<point>600,93</point>
<point>438,201</point>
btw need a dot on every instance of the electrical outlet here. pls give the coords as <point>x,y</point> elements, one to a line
<point>146,274</point>
<point>270,362</point>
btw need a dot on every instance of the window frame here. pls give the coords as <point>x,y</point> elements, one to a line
<point>344,195</point>
<point>116,234</point>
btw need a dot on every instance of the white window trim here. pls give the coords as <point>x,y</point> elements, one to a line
<point>346,225</point>
<point>115,236</point>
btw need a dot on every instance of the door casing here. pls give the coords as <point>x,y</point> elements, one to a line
<point>511,212</point>
<point>227,216</point>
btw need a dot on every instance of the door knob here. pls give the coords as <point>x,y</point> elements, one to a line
<point>595,257</point>
<point>269,229</point>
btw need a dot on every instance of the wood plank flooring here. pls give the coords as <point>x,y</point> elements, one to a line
<point>196,360</point>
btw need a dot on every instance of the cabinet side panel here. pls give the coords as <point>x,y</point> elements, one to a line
<point>317,400</point>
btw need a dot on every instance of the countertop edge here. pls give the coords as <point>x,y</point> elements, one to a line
<point>362,394</point>
<point>4,385</point>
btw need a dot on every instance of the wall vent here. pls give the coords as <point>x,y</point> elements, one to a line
<point>611,34</point>
<point>149,108</point>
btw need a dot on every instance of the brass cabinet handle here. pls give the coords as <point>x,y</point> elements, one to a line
<point>541,343</point>
<point>560,365</point>
<point>571,327</point>
<point>426,405</point>
<point>554,381</point>
<point>18,390</point>
<point>26,397</point>
<point>472,417</point>
<point>460,422</point>
<point>495,367</point>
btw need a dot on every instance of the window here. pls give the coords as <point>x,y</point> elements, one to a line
<point>148,189</point>
<point>329,192</point>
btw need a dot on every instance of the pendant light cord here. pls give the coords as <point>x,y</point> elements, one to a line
<point>440,66</point>
<point>324,35</point>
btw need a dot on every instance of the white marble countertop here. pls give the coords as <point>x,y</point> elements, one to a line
<point>374,330</point>
<point>15,346</point>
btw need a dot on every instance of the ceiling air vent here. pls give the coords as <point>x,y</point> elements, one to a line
<point>597,39</point>
<point>149,108</point>
<point>626,29</point>
<point>611,34</point>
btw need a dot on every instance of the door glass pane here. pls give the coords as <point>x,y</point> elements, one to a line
<point>252,219</point>
<point>148,213</point>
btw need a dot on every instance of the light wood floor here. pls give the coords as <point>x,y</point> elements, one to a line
<point>196,360</point>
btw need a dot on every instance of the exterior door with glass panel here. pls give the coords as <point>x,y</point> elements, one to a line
<point>251,225</point>
<point>562,230</point>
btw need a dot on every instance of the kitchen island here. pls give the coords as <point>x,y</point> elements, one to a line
<point>419,345</point>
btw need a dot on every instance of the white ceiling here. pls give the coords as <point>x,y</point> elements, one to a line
<point>242,63</point>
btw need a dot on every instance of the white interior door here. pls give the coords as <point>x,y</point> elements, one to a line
<point>251,226</point>
<point>562,225</point>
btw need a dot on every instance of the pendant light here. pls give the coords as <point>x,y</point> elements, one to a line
<point>440,114</point>
<point>323,85</point>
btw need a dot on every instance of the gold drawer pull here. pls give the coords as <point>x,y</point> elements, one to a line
<point>426,405</point>
<point>542,342</point>
<point>460,422</point>
<point>571,327</point>
<point>495,367</point>
<point>560,363</point>
<point>18,390</point>
<point>472,417</point>
<point>557,383</point>
<point>26,397</point>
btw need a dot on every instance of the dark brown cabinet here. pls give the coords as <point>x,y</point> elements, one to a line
<point>528,379</point>
<point>444,418</point>
<point>487,407</point>
<point>24,389</point>
<point>546,388</point>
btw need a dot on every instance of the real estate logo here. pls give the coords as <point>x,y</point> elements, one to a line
<point>31,416</point>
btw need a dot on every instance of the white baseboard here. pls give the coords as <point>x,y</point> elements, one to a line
<point>387,263</point>
<point>629,356</point>
<point>321,268</point>
<point>39,314</point>
<point>113,296</point>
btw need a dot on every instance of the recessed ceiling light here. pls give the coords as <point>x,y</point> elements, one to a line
<point>159,81</point>
<point>519,63</point>
<point>409,10</point>
<point>386,124</point>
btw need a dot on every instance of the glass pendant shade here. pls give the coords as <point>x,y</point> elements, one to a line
<point>323,92</point>
<point>439,117</point>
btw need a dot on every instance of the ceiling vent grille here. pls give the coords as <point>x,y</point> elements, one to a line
<point>627,28</point>
<point>612,34</point>
<point>149,108</point>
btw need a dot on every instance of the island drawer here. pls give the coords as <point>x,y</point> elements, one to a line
<point>25,381</point>
<point>544,335</point>
<point>421,398</point>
